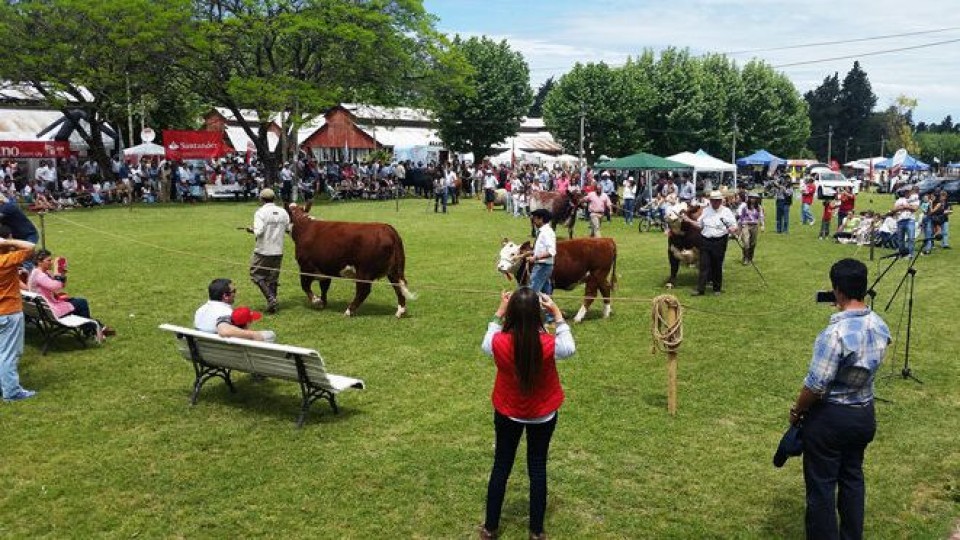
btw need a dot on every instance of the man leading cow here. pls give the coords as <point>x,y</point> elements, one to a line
<point>270,224</point>
<point>716,223</point>
<point>544,251</point>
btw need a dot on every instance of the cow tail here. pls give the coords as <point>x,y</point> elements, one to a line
<point>613,278</point>
<point>397,269</point>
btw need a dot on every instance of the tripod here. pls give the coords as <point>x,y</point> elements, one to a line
<point>911,273</point>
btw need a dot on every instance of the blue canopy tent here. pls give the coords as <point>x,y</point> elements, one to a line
<point>760,157</point>
<point>909,164</point>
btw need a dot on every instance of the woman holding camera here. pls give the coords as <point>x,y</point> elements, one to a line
<point>49,282</point>
<point>526,397</point>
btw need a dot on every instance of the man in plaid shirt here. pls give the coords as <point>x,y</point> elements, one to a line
<point>835,407</point>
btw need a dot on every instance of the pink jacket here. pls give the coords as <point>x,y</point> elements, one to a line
<point>39,282</point>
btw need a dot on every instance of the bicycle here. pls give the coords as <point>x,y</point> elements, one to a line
<point>649,218</point>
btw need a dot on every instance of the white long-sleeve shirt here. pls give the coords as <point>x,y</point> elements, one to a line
<point>270,223</point>
<point>546,244</point>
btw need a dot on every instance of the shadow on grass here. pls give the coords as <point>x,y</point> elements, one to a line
<point>263,398</point>
<point>785,518</point>
<point>335,306</point>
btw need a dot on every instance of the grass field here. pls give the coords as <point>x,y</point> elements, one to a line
<point>111,448</point>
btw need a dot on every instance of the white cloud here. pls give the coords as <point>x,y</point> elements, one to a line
<point>612,30</point>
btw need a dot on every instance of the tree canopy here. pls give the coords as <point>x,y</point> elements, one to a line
<point>677,102</point>
<point>492,103</point>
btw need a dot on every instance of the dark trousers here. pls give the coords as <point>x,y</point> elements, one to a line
<point>783,216</point>
<point>508,433</point>
<point>711,263</point>
<point>80,307</point>
<point>438,198</point>
<point>834,440</point>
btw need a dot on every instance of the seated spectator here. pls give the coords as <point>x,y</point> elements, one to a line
<point>216,316</point>
<point>147,194</point>
<point>886,234</point>
<point>243,317</point>
<point>49,279</point>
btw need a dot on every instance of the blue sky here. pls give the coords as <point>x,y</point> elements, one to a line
<point>554,34</point>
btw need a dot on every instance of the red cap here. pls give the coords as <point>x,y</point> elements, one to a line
<point>242,316</point>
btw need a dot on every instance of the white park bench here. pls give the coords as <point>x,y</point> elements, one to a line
<point>37,312</point>
<point>231,191</point>
<point>215,356</point>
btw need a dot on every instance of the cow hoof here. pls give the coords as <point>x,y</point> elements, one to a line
<point>607,311</point>
<point>580,315</point>
<point>401,311</point>
<point>669,285</point>
<point>348,313</point>
<point>318,303</point>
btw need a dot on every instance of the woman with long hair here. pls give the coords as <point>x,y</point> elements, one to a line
<point>526,397</point>
<point>49,282</point>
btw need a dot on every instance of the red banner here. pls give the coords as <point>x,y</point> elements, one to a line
<point>193,144</point>
<point>34,149</point>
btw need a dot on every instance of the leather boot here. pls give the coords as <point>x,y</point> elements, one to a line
<point>267,294</point>
<point>273,305</point>
<point>488,535</point>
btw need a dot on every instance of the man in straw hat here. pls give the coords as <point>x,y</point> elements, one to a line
<point>270,224</point>
<point>716,224</point>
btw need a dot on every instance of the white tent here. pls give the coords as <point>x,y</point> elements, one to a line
<point>507,156</point>
<point>145,149</point>
<point>703,162</point>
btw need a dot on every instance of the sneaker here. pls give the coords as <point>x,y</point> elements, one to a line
<point>717,293</point>
<point>20,396</point>
<point>697,293</point>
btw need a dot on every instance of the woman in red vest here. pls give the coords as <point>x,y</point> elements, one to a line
<point>526,396</point>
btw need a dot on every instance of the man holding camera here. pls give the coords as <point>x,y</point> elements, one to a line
<point>835,407</point>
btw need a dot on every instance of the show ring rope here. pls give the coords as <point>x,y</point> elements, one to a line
<point>666,330</point>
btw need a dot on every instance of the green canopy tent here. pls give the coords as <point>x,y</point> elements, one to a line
<point>644,162</point>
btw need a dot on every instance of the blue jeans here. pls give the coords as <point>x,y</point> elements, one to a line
<point>906,234</point>
<point>805,214</point>
<point>834,440</point>
<point>438,198</point>
<point>628,210</point>
<point>927,226</point>
<point>783,216</point>
<point>11,348</point>
<point>945,231</point>
<point>540,278</point>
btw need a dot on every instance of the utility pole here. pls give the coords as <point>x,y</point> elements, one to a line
<point>129,116</point>
<point>733,151</point>
<point>846,150</point>
<point>882,143</point>
<point>583,116</point>
<point>829,143</point>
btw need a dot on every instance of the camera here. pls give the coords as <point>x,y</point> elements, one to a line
<point>825,297</point>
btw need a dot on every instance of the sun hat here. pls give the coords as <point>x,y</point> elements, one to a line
<point>716,195</point>
<point>242,316</point>
<point>267,194</point>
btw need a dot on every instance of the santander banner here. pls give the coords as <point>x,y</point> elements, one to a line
<point>193,144</point>
<point>34,149</point>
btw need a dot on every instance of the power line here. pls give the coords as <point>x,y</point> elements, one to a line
<point>842,41</point>
<point>872,53</point>
<point>816,44</point>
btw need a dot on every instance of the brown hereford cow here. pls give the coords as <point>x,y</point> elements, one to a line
<point>592,261</point>
<point>683,240</point>
<point>362,251</point>
<point>562,206</point>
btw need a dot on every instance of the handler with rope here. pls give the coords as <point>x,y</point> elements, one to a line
<point>716,224</point>
<point>270,224</point>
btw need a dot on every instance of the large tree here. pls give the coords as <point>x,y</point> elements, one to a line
<point>299,57</point>
<point>611,102</point>
<point>85,58</point>
<point>856,102</point>
<point>536,110</point>
<point>489,108</point>
<point>772,114</point>
<point>823,102</point>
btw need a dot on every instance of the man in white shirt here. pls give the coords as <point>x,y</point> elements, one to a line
<point>716,224</point>
<point>906,205</point>
<point>544,251</point>
<point>489,189</point>
<point>216,316</point>
<point>270,224</point>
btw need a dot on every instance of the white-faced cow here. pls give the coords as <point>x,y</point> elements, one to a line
<point>361,251</point>
<point>683,240</point>
<point>592,261</point>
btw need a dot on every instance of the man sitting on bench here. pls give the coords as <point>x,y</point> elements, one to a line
<point>216,315</point>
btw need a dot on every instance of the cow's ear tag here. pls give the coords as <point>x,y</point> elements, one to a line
<point>505,241</point>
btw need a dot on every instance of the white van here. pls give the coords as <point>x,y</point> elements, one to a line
<point>828,181</point>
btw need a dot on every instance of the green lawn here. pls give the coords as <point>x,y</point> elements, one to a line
<point>111,447</point>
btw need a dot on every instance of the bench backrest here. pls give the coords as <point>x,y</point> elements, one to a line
<point>36,306</point>
<point>267,359</point>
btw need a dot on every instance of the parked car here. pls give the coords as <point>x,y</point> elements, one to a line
<point>933,185</point>
<point>828,182</point>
